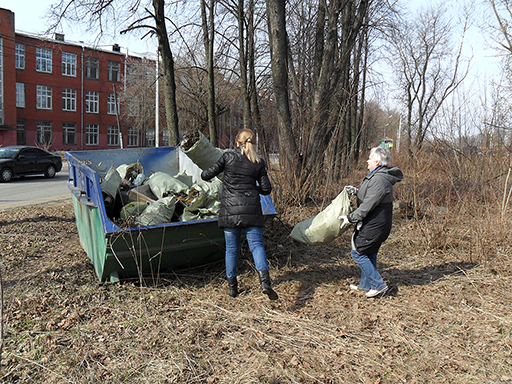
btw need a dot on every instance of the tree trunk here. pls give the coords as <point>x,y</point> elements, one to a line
<point>288,154</point>
<point>243,65</point>
<point>208,38</point>
<point>168,73</point>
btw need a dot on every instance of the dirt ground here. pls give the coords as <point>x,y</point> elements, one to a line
<point>446,319</point>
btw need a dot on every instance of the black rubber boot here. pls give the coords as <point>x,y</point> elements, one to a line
<point>233,286</point>
<point>266,286</point>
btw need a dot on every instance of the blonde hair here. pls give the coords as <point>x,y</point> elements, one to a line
<point>247,141</point>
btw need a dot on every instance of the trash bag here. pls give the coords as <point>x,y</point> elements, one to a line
<point>210,212</point>
<point>163,184</point>
<point>134,208</point>
<point>110,185</point>
<point>203,153</point>
<point>183,177</point>
<point>130,172</point>
<point>325,226</point>
<point>159,212</point>
<point>203,201</point>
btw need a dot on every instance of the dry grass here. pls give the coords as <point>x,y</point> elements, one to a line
<point>447,318</point>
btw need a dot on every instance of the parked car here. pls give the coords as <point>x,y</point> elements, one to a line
<point>26,160</point>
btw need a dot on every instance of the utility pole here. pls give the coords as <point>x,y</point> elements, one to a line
<point>399,132</point>
<point>157,101</point>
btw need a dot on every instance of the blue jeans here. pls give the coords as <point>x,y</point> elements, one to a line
<point>255,240</point>
<point>370,277</point>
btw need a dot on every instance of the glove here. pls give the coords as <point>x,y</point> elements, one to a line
<point>351,190</point>
<point>345,222</point>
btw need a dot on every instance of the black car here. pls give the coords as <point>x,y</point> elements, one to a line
<point>25,160</point>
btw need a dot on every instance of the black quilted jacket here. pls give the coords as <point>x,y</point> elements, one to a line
<point>242,184</point>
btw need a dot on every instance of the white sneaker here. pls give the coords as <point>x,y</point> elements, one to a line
<point>354,287</point>
<point>376,292</point>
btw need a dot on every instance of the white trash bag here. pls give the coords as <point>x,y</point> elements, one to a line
<point>325,226</point>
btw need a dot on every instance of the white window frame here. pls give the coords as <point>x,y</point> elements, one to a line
<point>113,135</point>
<point>92,102</point>
<point>150,138</point>
<point>43,97</point>
<point>92,133</point>
<point>44,130</point>
<point>20,95</point>
<point>19,56</point>
<point>67,130</point>
<point>43,60</point>
<point>68,64</point>
<point>133,137</point>
<point>165,138</point>
<point>69,99</point>
<point>111,104</point>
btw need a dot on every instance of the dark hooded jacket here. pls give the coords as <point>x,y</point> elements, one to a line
<point>374,212</point>
<point>242,183</point>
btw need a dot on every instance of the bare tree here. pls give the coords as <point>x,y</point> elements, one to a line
<point>428,69</point>
<point>129,16</point>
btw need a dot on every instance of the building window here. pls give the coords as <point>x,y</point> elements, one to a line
<point>69,133</point>
<point>92,133</point>
<point>19,56</point>
<point>44,132</point>
<point>21,132</point>
<point>113,135</point>
<point>111,104</point>
<point>68,99</point>
<point>92,102</point>
<point>165,138</point>
<point>150,138</point>
<point>43,60</point>
<point>20,95</point>
<point>113,71</point>
<point>43,97</point>
<point>68,64</point>
<point>133,137</point>
<point>92,65</point>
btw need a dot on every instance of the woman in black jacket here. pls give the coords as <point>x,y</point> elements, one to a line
<point>244,179</point>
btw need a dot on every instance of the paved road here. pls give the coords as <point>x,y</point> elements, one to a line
<point>35,190</point>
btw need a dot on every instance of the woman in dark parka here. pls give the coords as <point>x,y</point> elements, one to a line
<point>244,179</point>
<point>373,218</point>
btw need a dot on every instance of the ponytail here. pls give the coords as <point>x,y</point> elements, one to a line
<point>246,140</point>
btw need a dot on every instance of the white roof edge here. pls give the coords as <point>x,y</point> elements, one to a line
<point>124,50</point>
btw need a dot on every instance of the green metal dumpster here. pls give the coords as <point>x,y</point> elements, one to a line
<point>118,253</point>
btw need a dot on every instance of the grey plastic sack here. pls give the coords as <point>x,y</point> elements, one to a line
<point>163,184</point>
<point>111,183</point>
<point>203,153</point>
<point>159,212</point>
<point>325,226</point>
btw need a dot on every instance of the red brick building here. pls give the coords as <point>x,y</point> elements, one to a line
<point>61,95</point>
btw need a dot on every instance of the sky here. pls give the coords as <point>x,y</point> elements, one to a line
<point>484,64</point>
<point>29,17</point>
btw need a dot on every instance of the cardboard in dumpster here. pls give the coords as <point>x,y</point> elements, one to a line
<point>142,193</point>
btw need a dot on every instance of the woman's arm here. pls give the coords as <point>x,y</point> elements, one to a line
<point>214,169</point>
